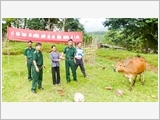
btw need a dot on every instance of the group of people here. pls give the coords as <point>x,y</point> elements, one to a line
<point>74,57</point>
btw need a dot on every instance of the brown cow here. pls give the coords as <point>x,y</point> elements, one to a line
<point>130,68</point>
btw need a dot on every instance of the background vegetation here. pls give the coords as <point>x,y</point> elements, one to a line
<point>134,34</point>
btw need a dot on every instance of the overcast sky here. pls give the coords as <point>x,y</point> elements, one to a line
<point>93,24</point>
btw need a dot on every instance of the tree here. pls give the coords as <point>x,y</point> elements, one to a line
<point>136,31</point>
<point>36,24</point>
<point>49,24</point>
<point>7,22</point>
<point>71,24</point>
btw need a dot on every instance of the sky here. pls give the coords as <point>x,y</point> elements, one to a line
<point>93,24</point>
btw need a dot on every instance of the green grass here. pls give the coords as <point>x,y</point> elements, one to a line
<point>123,54</point>
<point>18,89</point>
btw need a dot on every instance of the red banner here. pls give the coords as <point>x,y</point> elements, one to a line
<point>42,36</point>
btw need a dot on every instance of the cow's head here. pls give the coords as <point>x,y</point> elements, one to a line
<point>119,66</point>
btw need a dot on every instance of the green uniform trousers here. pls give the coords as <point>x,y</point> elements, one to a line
<point>37,77</point>
<point>29,68</point>
<point>70,64</point>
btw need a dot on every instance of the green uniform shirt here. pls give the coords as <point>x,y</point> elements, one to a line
<point>29,52</point>
<point>38,57</point>
<point>70,52</point>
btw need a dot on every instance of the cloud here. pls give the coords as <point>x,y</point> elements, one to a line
<point>93,24</point>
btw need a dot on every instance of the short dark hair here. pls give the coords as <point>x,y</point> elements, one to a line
<point>79,42</point>
<point>29,41</point>
<point>53,46</point>
<point>37,44</point>
<point>70,40</point>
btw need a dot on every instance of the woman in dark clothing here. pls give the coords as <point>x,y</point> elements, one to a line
<point>55,58</point>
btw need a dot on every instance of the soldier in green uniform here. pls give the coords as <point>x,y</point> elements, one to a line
<point>70,53</point>
<point>37,68</point>
<point>28,52</point>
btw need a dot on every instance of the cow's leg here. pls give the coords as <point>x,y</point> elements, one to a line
<point>134,80</point>
<point>142,79</point>
<point>130,82</point>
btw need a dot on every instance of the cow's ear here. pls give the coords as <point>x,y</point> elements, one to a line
<point>130,62</point>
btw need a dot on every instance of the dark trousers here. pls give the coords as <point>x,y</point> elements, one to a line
<point>70,64</point>
<point>79,63</point>
<point>55,75</point>
<point>37,77</point>
<point>29,68</point>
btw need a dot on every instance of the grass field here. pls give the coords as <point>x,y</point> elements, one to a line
<point>18,89</point>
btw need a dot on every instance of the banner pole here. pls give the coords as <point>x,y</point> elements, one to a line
<point>7,46</point>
